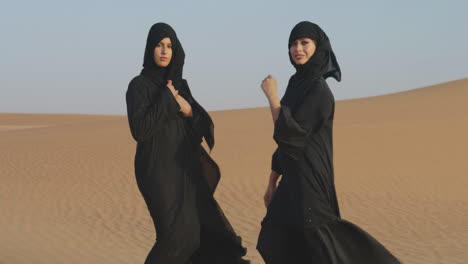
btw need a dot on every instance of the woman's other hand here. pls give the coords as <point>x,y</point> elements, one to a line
<point>270,192</point>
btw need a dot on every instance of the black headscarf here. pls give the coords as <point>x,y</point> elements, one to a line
<point>173,72</point>
<point>323,62</point>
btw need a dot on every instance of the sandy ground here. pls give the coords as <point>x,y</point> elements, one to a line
<point>68,193</point>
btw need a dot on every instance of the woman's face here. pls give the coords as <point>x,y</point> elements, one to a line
<point>163,52</point>
<point>301,50</point>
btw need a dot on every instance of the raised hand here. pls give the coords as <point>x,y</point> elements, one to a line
<point>270,88</point>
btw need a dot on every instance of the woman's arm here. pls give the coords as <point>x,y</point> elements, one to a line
<point>313,112</point>
<point>271,188</point>
<point>275,162</point>
<point>185,107</point>
<point>146,117</point>
<point>270,88</point>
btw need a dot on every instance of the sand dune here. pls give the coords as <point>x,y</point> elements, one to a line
<point>68,194</point>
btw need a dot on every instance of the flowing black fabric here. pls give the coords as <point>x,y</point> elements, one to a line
<point>174,173</point>
<point>303,223</point>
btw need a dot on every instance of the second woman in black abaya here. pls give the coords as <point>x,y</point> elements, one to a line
<point>303,223</point>
<point>175,175</point>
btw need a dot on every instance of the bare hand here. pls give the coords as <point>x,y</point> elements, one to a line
<point>270,192</point>
<point>270,88</point>
<point>172,88</point>
<point>185,107</point>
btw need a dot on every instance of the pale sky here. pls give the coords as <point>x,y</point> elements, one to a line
<point>79,56</point>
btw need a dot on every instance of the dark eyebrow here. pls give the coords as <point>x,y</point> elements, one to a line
<point>300,40</point>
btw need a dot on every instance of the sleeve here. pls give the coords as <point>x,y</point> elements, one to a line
<point>199,123</point>
<point>275,162</point>
<point>291,130</point>
<point>145,117</point>
<point>197,120</point>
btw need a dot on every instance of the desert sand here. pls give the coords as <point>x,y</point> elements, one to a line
<point>68,192</point>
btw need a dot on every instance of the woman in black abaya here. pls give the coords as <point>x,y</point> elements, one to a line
<point>303,223</point>
<point>174,173</point>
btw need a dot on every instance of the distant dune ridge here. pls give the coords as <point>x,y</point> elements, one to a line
<point>68,192</point>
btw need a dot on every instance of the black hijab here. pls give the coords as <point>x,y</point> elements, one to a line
<point>160,76</point>
<point>323,62</point>
<point>173,71</point>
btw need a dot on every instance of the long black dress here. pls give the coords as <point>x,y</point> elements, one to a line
<point>303,223</point>
<point>174,173</point>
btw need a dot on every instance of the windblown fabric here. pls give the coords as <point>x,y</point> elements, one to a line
<point>303,223</point>
<point>174,173</point>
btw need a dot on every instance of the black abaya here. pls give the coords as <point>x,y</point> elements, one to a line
<point>303,223</point>
<point>176,176</point>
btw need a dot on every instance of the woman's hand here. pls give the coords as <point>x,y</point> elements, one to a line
<point>270,192</point>
<point>270,88</point>
<point>185,107</point>
<point>172,88</point>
